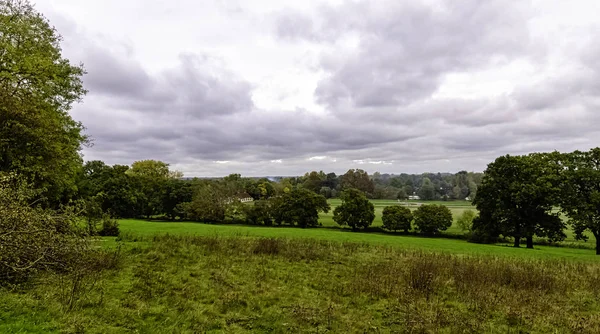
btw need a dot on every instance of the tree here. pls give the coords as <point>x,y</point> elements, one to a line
<point>355,211</point>
<point>176,192</point>
<point>402,195</point>
<point>465,220</point>
<point>153,177</point>
<point>516,198</point>
<point>433,218</point>
<point>580,198</point>
<point>397,218</point>
<point>260,213</point>
<point>427,190</point>
<point>260,189</point>
<point>209,202</point>
<point>325,191</point>
<point>313,181</point>
<point>299,207</point>
<point>38,137</point>
<point>357,179</point>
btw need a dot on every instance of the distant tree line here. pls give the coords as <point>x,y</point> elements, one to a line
<point>428,186</point>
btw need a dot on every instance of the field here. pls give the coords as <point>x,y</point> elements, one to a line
<point>183,277</point>
<point>210,284</point>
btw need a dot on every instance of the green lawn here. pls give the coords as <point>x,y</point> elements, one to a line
<point>146,228</point>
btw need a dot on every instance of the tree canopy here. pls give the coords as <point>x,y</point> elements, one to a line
<point>517,196</point>
<point>355,211</point>
<point>38,137</point>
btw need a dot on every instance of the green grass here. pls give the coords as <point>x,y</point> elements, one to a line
<point>208,284</point>
<point>454,246</point>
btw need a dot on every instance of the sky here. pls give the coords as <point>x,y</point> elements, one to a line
<point>272,87</point>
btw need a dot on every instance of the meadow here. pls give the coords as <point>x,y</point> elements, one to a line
<point>185,277</point>
<point>236,284</point>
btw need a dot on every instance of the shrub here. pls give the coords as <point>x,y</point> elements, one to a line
<point>465,220</point>
<point>397,218</point>
<point>34,239</point>
<point>355,211</point>
<point>433,218</point>
<point>110,227</point>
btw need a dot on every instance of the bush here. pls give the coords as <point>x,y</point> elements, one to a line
<point>355,211</point>
<point>465,220</point>
<point>110,227</point>
<point>34,239</point>
<point>259,213</point>
<point>431,219</point>
<point>397,218</point>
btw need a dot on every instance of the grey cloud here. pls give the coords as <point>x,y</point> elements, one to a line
<point>379,96</point>
<point>406,47</point>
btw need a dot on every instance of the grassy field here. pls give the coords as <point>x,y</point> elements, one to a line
<point>209,284</point>
<point>145,229</point>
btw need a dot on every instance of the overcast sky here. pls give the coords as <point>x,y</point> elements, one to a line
<point>271,87</point>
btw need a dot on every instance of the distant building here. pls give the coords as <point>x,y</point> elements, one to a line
<point>414,197</point>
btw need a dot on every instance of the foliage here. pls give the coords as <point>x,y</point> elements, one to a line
<point>209,203</point>
<point>110,227</point>
<point>402,195</point>
<point>355,211</point>
<point>176,192</point>
<point>299,207</point>
<point>38,137</point>
<point>397,218</point>
<point>260,189</point>
<point>465,220</point>
<point>580,198</point>
<point>433,218</point>
<point>357,179</point>
<point>427,190</point>
<point>33,239</point>
<point>260,213</point>
<point>517,196</point>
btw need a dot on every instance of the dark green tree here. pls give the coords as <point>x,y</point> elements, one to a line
<point>517,196</point>
<point>299,207</point>
<point>355,211</point>
<point>357,179</point>
<point>580,199</point>
<point>176,192</point>
<point>402,194</point>
<point>396,218</point>
<point>433,218</point>
<point>427,190</point>
<point>38,137</point>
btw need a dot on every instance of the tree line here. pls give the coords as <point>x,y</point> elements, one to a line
<point>427,186</point>
<point>523,197</point>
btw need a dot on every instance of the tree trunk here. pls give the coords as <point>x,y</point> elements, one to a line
<point>597,236</point>
<point>530,242</point>
<point>517,242</point>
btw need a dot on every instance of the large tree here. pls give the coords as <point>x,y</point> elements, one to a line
<point>357,179</point>
<point>517,196</point>
<point>581,192</point>
<point>355,211</point>
<point>38,137</point>
<point>299,207</point>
